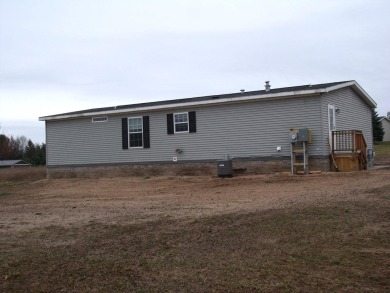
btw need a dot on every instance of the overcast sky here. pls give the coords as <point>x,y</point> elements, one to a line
<point>58,56</point>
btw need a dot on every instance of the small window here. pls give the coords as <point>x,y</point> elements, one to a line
<point>135,132</point>
<point>99,119</point>
<point>181,122</point>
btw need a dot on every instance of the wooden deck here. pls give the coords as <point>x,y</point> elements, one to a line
<point>348,150</point>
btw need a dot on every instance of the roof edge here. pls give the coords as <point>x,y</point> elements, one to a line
<point>222,100</point>
<point>357,88</point>
<point>229,100</point>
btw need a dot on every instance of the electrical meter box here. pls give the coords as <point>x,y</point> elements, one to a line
<point>300,135</point>
<point>293,136</point>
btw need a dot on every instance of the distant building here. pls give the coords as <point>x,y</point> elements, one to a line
<point>386,126</point>
<point>14,163</point>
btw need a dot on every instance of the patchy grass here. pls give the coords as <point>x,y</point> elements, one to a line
<point>343,248</point>
<point>382,148</point>
<point>382,153</point>
<point>22,174</point>
<point>4,193</point>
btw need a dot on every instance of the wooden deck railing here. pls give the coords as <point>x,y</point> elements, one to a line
<point>351,142</point>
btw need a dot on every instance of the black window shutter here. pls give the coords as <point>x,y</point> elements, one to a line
<point>146,131</point>
<point>192,121</point>
<point>170,124</point>
<point>125,134</point>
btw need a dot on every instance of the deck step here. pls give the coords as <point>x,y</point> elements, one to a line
<point>298,151</point>
<point>299,164</point>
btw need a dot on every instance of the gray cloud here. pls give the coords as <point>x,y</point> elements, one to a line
<point>143,52</point>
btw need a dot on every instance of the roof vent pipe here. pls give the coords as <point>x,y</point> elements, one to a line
<point>267,86</point>
<point>388,115</point>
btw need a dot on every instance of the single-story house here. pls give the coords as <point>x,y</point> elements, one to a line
<point>193,133</point>
<point>14,163</point>
<point>386,126</point>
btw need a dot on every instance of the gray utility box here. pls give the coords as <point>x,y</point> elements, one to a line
<point>303,135</point>
<point>300,135</point>
<point>225,168</point>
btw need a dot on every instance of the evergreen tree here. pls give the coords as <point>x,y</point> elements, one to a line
<point>30,152</point>
<point>40,151</point>
<point>377,127</point>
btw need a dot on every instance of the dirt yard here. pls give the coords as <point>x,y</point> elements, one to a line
<point>50,226</point>
<point>69,202</point>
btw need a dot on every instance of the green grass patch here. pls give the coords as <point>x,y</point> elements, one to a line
<point>320,249</point>
<point>382,148</point>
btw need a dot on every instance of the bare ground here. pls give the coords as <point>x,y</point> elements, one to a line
<point>54,224</point>
<point>69,202</point>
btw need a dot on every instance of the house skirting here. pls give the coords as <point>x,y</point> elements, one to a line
<point>248,166</point>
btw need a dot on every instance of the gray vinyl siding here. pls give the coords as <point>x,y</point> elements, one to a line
<point>246,130</point>
<point>354,114</point>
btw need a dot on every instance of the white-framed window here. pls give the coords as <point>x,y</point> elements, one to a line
<point>135,132</point>
<point>184,122</point>
<point>181,122</point>
<point>99,119</point>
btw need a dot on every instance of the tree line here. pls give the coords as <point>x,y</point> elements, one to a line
<point>22,148</point>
